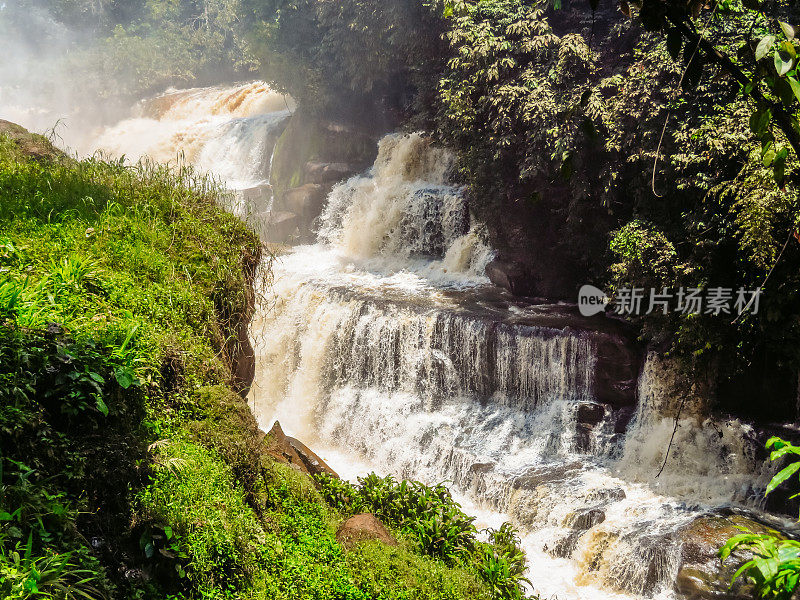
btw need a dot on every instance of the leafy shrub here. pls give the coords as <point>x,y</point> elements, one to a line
<point>40,555</point>
<point>436,525</point>
<point>193,494</point>
<point>775,565</point>
<point>24,576</point>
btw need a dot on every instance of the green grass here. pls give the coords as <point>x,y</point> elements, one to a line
<point>129,466</point>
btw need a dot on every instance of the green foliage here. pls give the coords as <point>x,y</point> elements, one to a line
<point>765,67</point>
<point>435,524</point>
<point>24,576</point>
<point>38,558</point>
<point>193,494</point>
<point>351,57</point>
<point>775,564</point>
<point>120,287</point>
<point>305,560</point>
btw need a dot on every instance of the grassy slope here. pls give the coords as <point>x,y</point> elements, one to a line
<point>129,467</point>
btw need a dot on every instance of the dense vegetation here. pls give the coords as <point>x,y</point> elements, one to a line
<point>129,465</point>
<point>556,112</point>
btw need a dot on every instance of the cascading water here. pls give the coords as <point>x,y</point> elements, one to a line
<point>387,349</point>
<point>226,132</point>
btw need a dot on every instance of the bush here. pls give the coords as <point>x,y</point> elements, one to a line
<point>193,494</point>
<point>436,526</point>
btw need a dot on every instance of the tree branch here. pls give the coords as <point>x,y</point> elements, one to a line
<point>782,118</point>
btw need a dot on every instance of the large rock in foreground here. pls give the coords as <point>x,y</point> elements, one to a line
<point>291,451</point>
<point>701,575</point>
<point>362,527</point>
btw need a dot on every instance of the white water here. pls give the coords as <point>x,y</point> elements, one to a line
<point>382,351</point>
<point>385,348</point>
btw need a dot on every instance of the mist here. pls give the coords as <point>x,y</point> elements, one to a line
<point>71,68</point>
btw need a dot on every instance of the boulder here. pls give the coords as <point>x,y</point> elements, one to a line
<point>606,495</point>
<point>281,226</point>
<point>584,519</point>
<point>307,200</point>
<point>327,172</point>
<point>590,413</point>
<point>701,575</point>
<point>288,450</point>
<point>362,527</point>
<point>313,464</point>
<point>510,276</point>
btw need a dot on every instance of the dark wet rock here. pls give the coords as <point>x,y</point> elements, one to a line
<point>607,496</point>
<point>548,474</point>
<point>590,413</point>
<point>291,451</point>
<point>363,527</point>
<point>622,418</point>
<point>619,355</point>
<point>481,468</point>
<point>701,575</point>
<point>325,172</point>
<point>510,276</point>
<point>306,200</point>
<point>281,226</point>
<point>588,416</point>
<point>566,545</point>
<point>617,370</point>
<point>584,519</point>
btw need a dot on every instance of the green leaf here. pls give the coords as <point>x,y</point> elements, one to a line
<point>759,120</point>
<point>782,476</point>
<point>775,441</point>
<point>788,30</point>
<point>779,172</point>
<point>783,62</point>
<point>97,377</point>
<point>795,85</point>
<point>124,378</point>
<point>101,406</point>
<point>764,46</point>
<point>674,42</point>
<point>168,532</point>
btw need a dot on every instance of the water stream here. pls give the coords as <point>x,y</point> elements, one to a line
<point>384,347</point>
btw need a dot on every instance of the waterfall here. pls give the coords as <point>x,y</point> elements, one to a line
<point>225,132</point>
<point>386,348</point>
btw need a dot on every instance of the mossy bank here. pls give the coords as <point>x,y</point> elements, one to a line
<point>131,465</point>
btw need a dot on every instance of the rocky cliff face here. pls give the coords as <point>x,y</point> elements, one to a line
<point>312,155</point>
